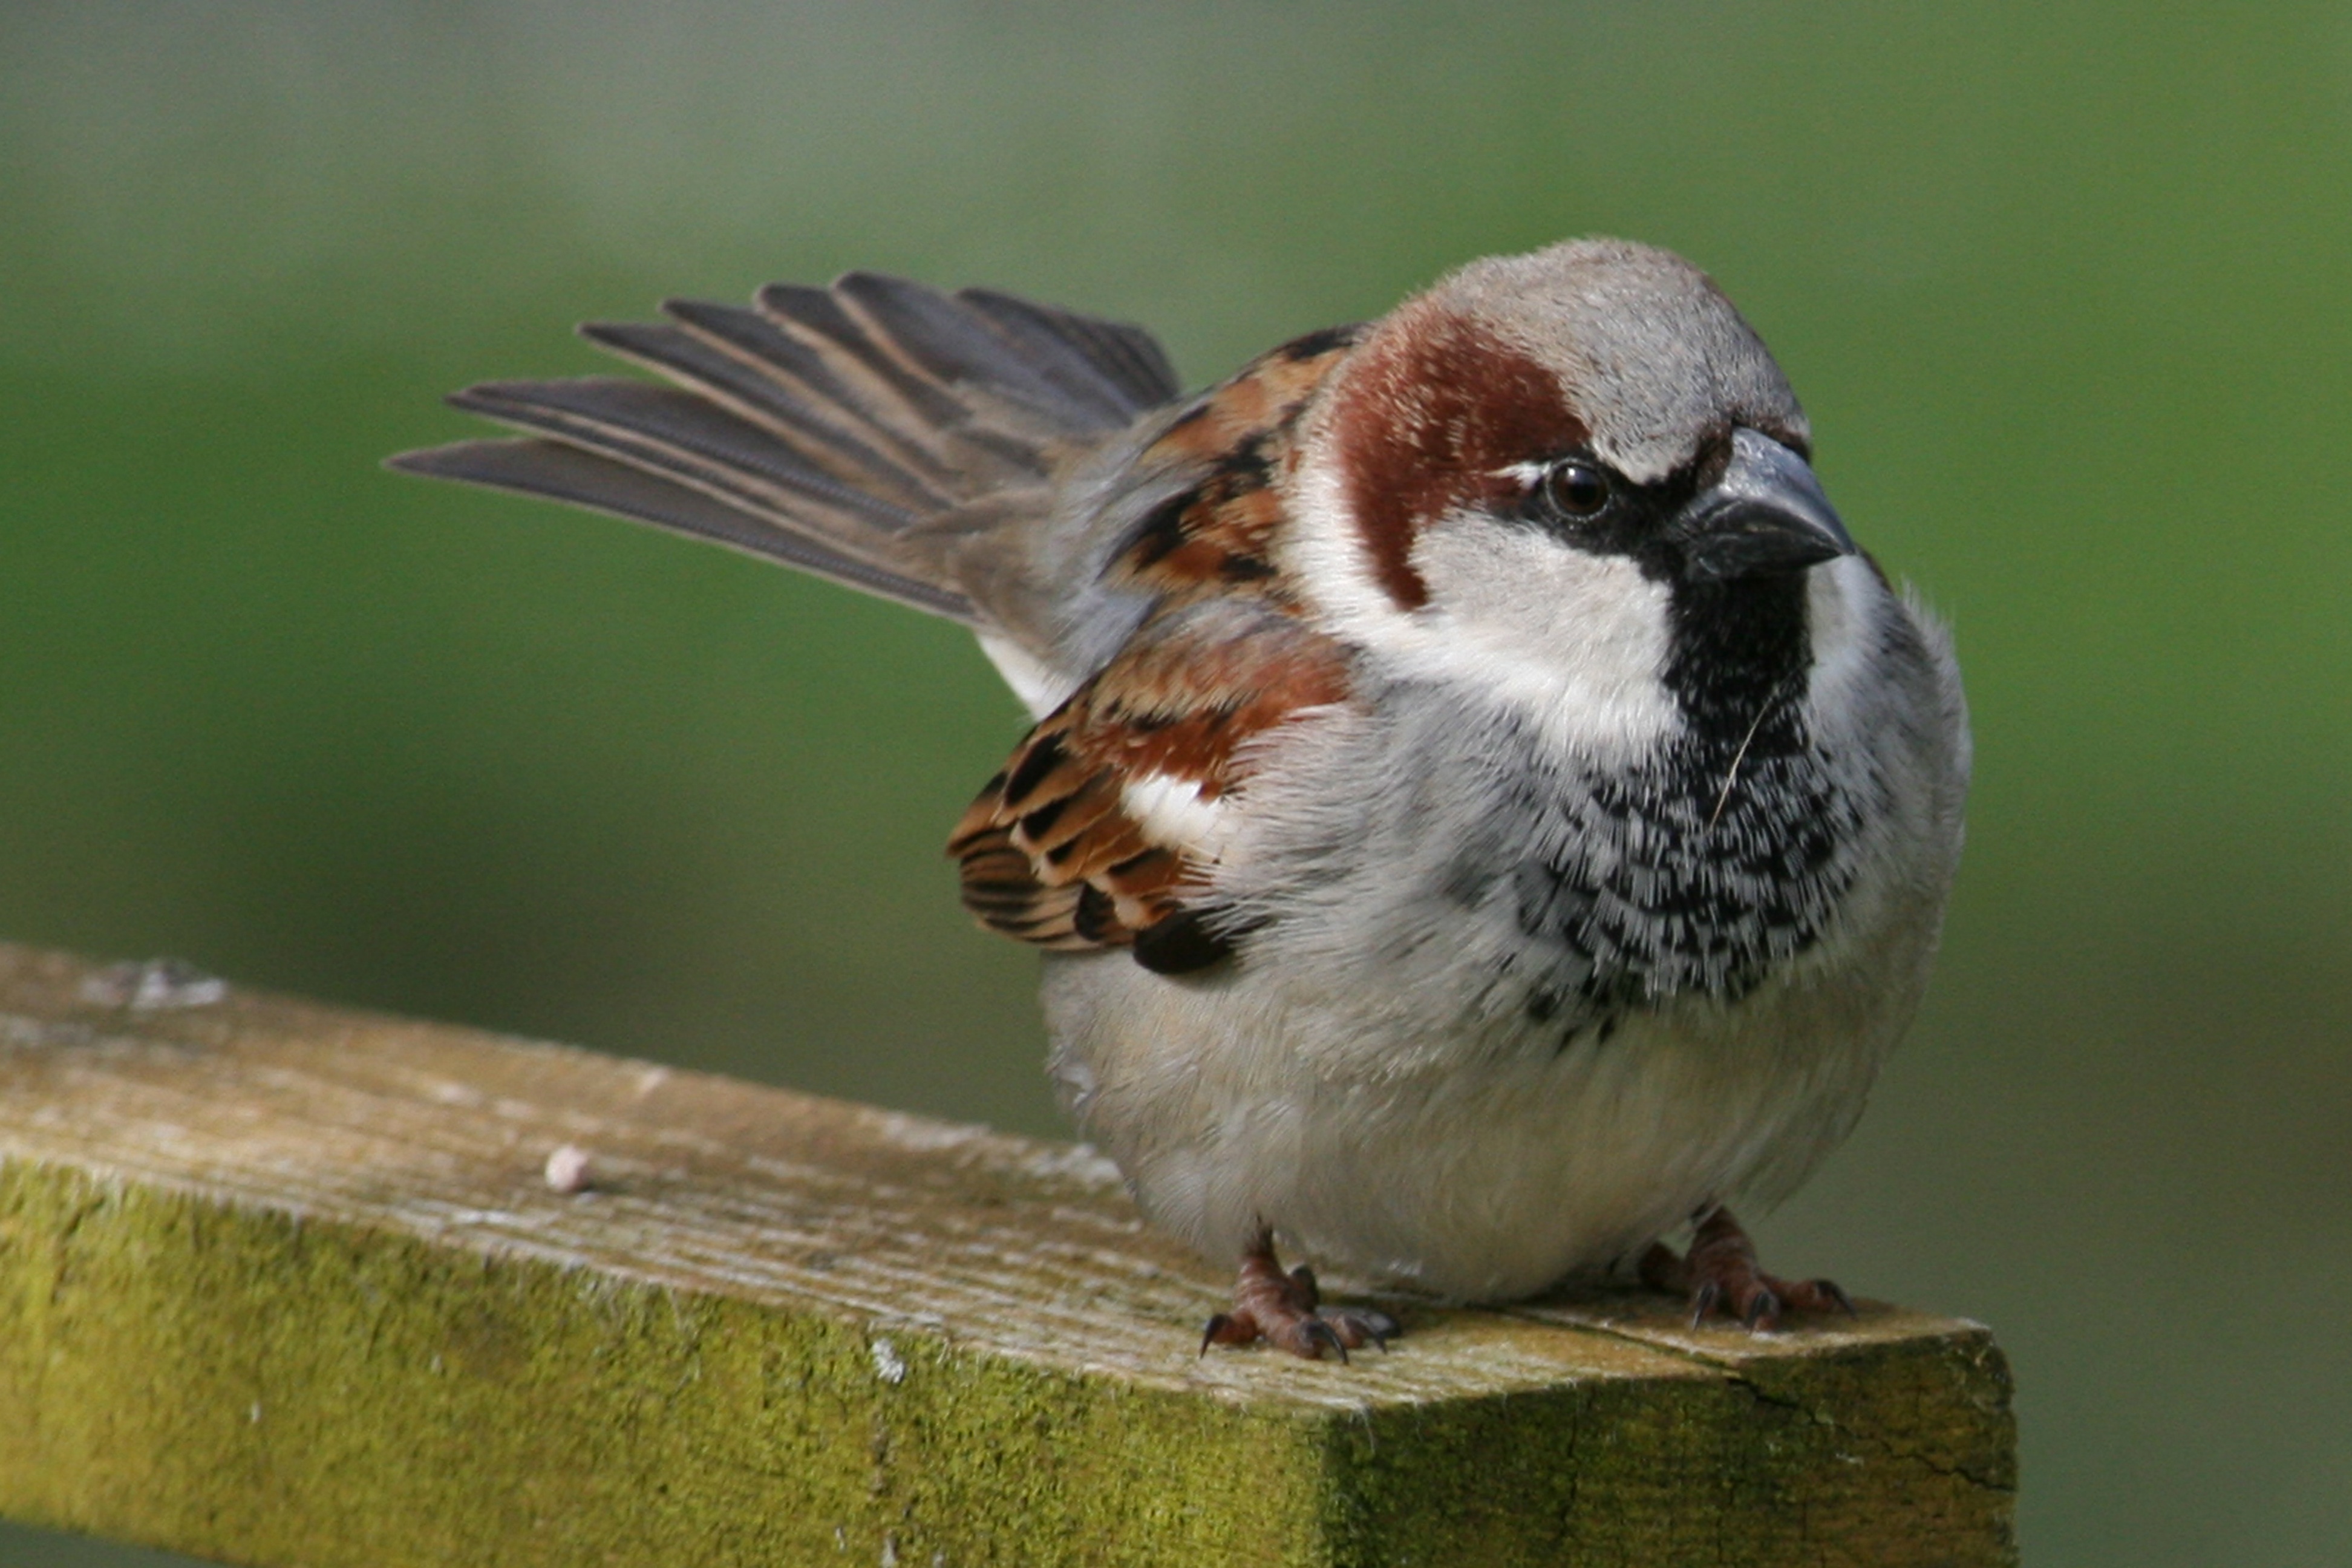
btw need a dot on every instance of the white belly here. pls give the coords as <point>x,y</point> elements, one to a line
<point>1477,1168</point>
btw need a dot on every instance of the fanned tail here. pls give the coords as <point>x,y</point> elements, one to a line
<point>823,428</point>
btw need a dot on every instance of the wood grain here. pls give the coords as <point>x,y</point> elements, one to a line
<point>287,1284</point>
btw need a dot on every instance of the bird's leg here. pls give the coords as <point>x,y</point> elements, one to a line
<point>1721,1274</point>
<point>1286,1311</point>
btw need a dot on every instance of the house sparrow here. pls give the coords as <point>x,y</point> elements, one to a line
<point>1484,812</point>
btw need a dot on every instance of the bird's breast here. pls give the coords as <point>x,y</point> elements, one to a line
<point>1701,873</point>
<point>1453,864</point>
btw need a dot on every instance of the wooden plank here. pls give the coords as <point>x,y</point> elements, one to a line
<point>290,1285</point>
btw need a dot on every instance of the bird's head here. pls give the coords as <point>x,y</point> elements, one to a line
<point>1578,471</point>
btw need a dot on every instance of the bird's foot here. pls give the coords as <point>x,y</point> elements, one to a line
<point>1286,1311</point>
<point>1721,1275</point>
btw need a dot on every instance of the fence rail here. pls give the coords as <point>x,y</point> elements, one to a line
<point>290,1285</point>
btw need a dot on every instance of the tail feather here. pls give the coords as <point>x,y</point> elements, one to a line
<point>687,357</point>
<point>800,391</point>
<point>1129,357</point>
<point>826,426</point>
<point>961,430</point>
<point>950,344</point>
<point>677,436</point>
<point>565,473</point>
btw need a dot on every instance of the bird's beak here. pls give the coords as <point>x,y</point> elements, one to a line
<point>1767,514</point>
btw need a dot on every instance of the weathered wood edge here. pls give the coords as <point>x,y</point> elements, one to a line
<point>232,1323</point>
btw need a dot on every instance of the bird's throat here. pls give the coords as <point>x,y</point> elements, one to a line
<point>1737,656</point>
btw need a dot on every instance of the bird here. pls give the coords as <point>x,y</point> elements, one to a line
<point>1484,815</point>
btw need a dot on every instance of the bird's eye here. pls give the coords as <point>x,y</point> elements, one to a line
<point>1577,487</point>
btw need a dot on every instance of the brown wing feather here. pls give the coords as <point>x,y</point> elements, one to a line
<point>1051,853</point>
<point>1217,536</point>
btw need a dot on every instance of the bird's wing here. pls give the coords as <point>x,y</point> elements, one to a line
<point>825,426</point>
<point>1098,830</point>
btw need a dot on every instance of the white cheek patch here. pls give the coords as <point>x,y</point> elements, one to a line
<point>1574,644</point>
<point>1577,642</point>
<point>1172,811</point>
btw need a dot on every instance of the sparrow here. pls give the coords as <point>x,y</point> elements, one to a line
<point>1483,813</point>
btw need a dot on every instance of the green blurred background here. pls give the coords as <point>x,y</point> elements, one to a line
<point>2065,288</point>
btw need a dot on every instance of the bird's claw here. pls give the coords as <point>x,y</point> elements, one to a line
<point>1285,1310</point>
<point>1722,1275</point>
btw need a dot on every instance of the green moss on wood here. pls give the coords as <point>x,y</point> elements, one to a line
<point>237,1384</point>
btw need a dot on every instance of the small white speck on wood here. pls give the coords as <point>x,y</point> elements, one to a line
<point>567,1168</point>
